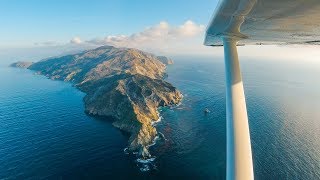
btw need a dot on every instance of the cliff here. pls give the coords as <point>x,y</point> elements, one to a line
<point>123,83</point>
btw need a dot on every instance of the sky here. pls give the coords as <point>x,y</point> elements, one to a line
<point>34,21</point>
<point>38,28</point>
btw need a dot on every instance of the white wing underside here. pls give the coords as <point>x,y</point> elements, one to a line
<point>266,22</point>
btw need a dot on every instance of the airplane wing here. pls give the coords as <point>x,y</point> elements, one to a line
<point>266,22</point>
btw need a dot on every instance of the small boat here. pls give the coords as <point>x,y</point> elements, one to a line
<point>206,110</point>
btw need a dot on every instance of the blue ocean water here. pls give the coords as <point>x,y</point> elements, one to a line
<point>45,134</point>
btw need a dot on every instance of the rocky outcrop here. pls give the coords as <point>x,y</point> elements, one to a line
<point>124,83</point>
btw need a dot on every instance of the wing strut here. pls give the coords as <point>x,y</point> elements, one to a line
<point>239,156</point>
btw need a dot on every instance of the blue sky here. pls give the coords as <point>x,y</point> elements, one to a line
<point>27,22</point>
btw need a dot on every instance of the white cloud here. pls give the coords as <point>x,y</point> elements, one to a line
<point>75,40</point>
<point>188,29</point>
<point>159,38</point>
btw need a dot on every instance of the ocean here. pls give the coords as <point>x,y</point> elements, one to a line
<point>45,134</point>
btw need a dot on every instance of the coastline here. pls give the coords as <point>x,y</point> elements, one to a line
<point>146,163</point>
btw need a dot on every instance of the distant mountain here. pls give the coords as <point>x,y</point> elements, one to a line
<point>123,83</point>
<point>21,64</point>
<point>165,60</point>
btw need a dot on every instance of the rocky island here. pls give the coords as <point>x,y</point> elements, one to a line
<point>123,83</point>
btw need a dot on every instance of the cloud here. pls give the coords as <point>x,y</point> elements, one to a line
<point>75,40</point>
<point>188,29</point>
<point>161,37</point>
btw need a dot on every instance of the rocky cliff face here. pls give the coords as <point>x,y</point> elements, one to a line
<point>126,84</point>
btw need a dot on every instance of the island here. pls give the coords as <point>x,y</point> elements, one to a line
<point>123,83</point>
